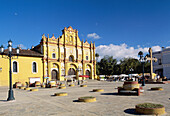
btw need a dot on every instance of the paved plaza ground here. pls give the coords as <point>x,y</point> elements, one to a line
<point>43,103</point>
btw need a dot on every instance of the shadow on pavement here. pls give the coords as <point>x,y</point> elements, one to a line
<point>76,100</point>
<point>150,90</point>
<point>109,93</point>
<point>3,100</point>
<point>131,111</point>
<point>52,95</point>
<point>91,91</point>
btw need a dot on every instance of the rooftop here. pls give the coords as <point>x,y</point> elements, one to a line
<point>24,52</point>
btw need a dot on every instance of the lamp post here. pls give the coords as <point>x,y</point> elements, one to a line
<point>131,69</point>
<point>142,60</point>
<point>9,54</point>
<point>79,69</point>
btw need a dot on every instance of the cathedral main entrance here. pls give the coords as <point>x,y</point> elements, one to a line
<point>54,75</point>
<point>71,71</point>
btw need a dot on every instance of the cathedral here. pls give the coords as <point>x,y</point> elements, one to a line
<point>55,58</point>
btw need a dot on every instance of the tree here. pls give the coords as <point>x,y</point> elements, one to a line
<point>97,56</point>
<point>109,66</point>
<point>97,64</point>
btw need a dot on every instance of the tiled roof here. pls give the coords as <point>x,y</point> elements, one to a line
<point>24,52</point>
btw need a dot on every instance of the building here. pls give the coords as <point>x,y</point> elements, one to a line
<point>26,66</point>
<point>54,58</point>
<point>162,66</point>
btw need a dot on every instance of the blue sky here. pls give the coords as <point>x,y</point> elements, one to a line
<point>130,24</point>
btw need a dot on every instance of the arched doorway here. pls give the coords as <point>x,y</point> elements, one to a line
<point>88,73</point>
<point>71,71</point>
<point>54,75</point>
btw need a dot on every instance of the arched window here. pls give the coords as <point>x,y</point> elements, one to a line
<point>87,58</point>
<point>34,67</point>
<point>71,58</point>
<point>15,67</point>
<point>53,55</point>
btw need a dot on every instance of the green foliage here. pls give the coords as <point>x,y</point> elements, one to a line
<point>149,105</point>
<point>109,66</point>
<point>156,87</point>
<point>87,97</point>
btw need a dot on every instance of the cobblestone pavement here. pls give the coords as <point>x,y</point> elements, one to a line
<point>43,103</point>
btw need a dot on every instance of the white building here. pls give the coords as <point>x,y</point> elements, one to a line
<point>162,66</point>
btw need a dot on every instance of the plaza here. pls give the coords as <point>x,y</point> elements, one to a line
<point>108,102</point>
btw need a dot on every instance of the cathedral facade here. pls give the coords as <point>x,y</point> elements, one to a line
<point>67,55</point>
<point>56,59</point>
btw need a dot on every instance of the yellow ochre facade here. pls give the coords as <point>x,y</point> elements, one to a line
<point>55,58</point>
<point>24,69</point>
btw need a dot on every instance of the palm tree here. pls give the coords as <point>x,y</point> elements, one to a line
<point>97,56</point>
<point>140,54</point>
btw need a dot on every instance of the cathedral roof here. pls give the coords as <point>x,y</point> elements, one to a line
<point>24,52</point>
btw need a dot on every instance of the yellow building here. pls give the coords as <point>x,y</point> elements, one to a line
<point>54,58</point>
<point>26,66</point>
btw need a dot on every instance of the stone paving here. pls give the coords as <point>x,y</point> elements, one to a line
<point>43,103</point>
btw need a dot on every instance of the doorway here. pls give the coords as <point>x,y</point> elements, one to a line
<point>88,73</point>
<point>71,71</point>
<point>54,75</point>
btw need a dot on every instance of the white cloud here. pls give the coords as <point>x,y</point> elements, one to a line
<point>15,14</point>
<point>93,35</point>
<point>156,48</point>
<point>138,46</point>
<point>20,45</point>
<point>15,46</point>
<point>122,51</point>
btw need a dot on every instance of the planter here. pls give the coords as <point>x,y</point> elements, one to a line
<point>98,90</point>
<point>37,84</point>
<point>17,84</point>
<point>150,109</point>
<point>33,89</point>
<point>71,85</point>
<point>52,83</point>
<point>61,94</point>
<point>43,86</point>
<point>63,87</point>
<point>130,85</point>
<point>87,99</point>
<point>27,88</point>
<point>157,88</point>
<point>119,87</point>
<point>160,80</point>
<point>83,85</point>
<point>21,87</point>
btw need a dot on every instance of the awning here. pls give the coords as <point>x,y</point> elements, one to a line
<point>84,76</point>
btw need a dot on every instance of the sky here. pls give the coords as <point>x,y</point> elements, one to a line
<point>120,28</point>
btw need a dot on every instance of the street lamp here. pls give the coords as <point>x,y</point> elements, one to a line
<point>79,69</point>
<point>142,60</point>
<point>9,54</point>
<point>131,69</point>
